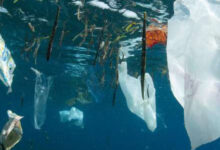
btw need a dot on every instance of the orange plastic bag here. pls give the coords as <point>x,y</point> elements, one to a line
<point>156,35</point>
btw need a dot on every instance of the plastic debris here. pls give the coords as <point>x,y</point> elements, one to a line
<point>7,65</point>
<point>3,10</point>
<point>156,35</point>
<point>193,61</point>
<point>12,132</point>
<point>72,114</point>
<point>131,87</point>
<point>42,88</point>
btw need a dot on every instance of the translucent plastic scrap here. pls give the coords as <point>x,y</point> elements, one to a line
<point>42,88</point>
<point>7,64</point>
<point>193,52</point>
<point>131,87</point>
<point>12,131</point>
<point>73,114</point>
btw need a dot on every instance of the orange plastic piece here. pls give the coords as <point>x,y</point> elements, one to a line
<point>156,35</point>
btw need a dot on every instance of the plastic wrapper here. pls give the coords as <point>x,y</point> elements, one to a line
<point>12,132</point>
<point>73,114</point>
<point>42,88</point>
<point>156,35</point>
<point>7,64</point>
<point>131,88</point>
<point>193,51</point>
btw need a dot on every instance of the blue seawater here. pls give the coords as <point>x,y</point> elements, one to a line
<point>106,127</point>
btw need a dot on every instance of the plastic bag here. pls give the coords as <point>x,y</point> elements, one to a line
<point>42,88</point>
<point>72,114</point>
<point>12,131</point>
<point>131,87</point>
<point>193,51</point>
<point>7,65</point>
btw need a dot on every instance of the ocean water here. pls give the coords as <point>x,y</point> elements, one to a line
<point>105,127</point>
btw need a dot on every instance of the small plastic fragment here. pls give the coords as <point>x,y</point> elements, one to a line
<point>73,114</point>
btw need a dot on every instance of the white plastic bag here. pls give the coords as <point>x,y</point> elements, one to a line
<point>193,52</point>
<point>131,87</point>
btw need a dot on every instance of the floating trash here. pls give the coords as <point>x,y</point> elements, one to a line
<point>193,62</point>
<point>7,65</point>
<point>156,35</point>
<point>42,89</point>
<point>3,10</point>
<point>131,87</point>
<point>73,114</point>
<point>12,132</point>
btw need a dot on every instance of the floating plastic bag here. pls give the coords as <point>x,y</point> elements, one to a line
<point>193,52</point>
<point>42,88</point>
<point>72,114</point>
<point>12,132</point>
<point>131,87</point>
<point>7,65</point>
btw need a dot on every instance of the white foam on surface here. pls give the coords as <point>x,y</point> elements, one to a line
<point>78,3</point>
<point>129,14</point>
<point>101,5</point>
<point>127,46</point>
<point>105,6</point>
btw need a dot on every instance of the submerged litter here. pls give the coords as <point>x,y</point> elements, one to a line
<point>131,87</point>
<point>12,132</point>
<point>156,35</point>
<point>7,65</point>
<point>42,88</point>
<point>73,114</point>
<point>193,61</point>
<point>3,10</point>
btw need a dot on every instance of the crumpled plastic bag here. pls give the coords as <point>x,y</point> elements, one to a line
<point>131,88</point>
<point>73,114</point>
<point>193,52</point>
<point>7,65</point>
<point>41,92</point>
<point>12,131</point>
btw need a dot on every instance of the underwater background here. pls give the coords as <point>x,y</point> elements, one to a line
<point>105,127</point>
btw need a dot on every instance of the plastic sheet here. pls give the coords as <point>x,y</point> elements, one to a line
<point>131,87</point>
<point>42,88</point>
<point>12,131</point>
<point>73,114</point>
<point>7,64</point>
<point>193,51</point>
